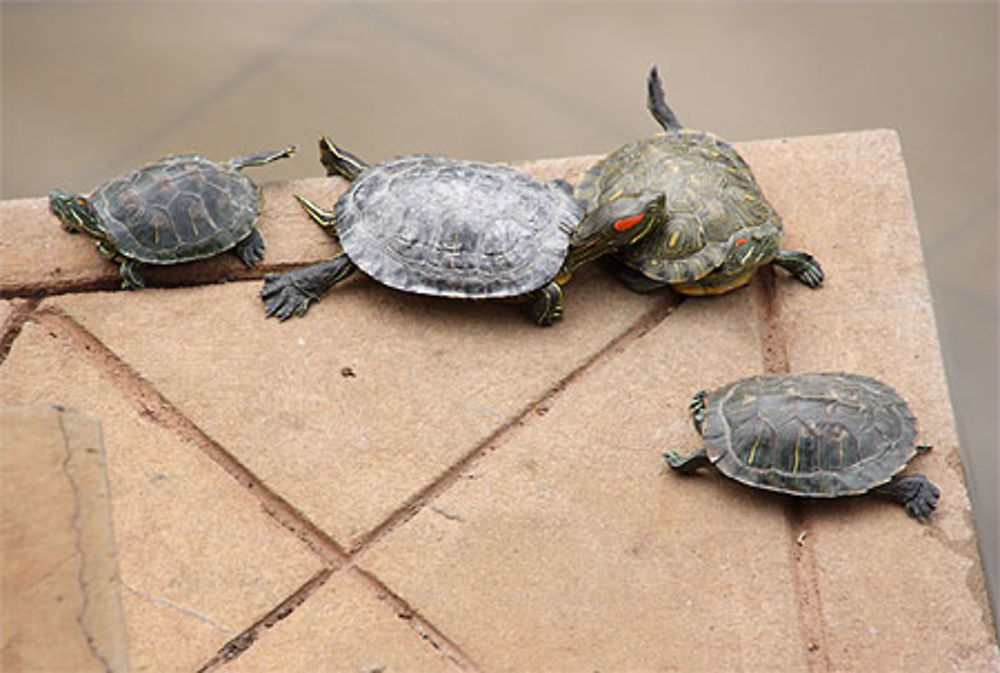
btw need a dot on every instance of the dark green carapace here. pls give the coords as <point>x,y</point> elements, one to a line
<point>811,435</point>
<point>448,227</point>
<point>716,228</point>
<point>179,209</point>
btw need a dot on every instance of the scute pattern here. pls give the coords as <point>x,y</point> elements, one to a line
<point>455,228</point>
<point>822,435</point>
<point>711,195</point>
<point>177,210</point>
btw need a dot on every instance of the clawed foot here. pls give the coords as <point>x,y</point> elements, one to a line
<point>283,298</point>
<point>251,249</point>
<point>923,501</point>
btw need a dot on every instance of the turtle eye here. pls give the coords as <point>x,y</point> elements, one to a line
<point>627,223</point>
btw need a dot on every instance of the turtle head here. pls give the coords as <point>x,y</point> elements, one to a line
<point>612,226</point>
<point>76,213</point>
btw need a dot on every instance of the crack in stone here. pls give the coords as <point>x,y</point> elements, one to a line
<point>163,602</point>
<point>84,607</point>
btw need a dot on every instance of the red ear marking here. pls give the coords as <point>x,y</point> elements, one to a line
<point>627,223</point>
<point>740,241</point>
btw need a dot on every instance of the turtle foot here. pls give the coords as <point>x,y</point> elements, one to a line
<point>251,249</point>
<point>915,492</point>
<point>290,293</point>
<point>802,265</point>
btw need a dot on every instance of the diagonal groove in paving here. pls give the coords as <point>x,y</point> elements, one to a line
<point>11,328</point>
<point>445,480</point>
<point>775,357</point>
<point>157,407</point>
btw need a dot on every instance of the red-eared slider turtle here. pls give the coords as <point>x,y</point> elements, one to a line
<point>453,228</point>
<point>717,227</point>
<point>178,209</point>
<point>811,435</point>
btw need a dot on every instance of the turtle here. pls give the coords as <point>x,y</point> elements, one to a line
<point>816,435</point>
<point>179,209</point>
<point>718,228</point>
<point>447,227</point>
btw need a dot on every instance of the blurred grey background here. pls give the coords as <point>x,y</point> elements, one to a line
<point>91,90</point>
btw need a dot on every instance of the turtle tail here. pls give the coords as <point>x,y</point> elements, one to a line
<point>658,105</point>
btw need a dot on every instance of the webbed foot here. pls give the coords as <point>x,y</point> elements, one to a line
<point>687,464</point>
<point>251,249</point>
<point>802,265</point>
<point>914,492</point>
<point>291,293</point>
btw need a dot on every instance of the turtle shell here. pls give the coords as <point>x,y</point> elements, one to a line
<point>712,201</point>
<point>455,228</point>
<point>178,209</point>
<point>819,435</point>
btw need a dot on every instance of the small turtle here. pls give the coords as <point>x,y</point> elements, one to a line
<point>453,228</point>
<point>179,209</point>
<point>811,435</point>
<point>717,229</point>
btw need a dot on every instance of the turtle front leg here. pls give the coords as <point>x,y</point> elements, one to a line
<point>129,269</point>
<point>687,464</point>
<point>290,293</point>
<point>913,491</point>
<point>251,249</point>
<point>545,305</point>
<point>131,278</point>
<point>632,279</point>
<point>802,265</point>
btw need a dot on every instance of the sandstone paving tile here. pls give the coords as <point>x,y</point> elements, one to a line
<point>570,546</point>
<point>36,255</point>
<point>199,560</point>
<point>352,409</point>
<point>852,210</point>
<point>922,579</point>
<point>344,626</point>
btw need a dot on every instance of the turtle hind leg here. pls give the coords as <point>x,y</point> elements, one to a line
<point>687,464</point>
<point>545,305</point>
<point>657,104</point>
<point>913,491</point>
<point>340,162</point>
<point>290,293</point>
<point>261,158</point>
<point>251,249</point>
<point>802,265</point>
<point>326,219</point>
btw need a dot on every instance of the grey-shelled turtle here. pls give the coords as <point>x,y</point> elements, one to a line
<point>812,435</point>
<point>453,228</point>
<point>179,209</point>
<point>717,228</point>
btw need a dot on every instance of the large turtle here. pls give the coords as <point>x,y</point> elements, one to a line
<point>717,228</point>
<point>448,227</point>
<point>179,209</point>
<point>811,435</point>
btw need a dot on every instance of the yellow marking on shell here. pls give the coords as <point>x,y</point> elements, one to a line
<point>696,289</point>
<point>673,239</point>
<point>795,465</point>
<point>753,449</point>
<point>615,194</point>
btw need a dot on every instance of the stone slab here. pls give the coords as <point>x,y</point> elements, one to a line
<point>60,583</point>
<point>354,408</point>
<point>199,560</point>
<point>344,626</point>
<point>568,547</point>
<point>856,579</point>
